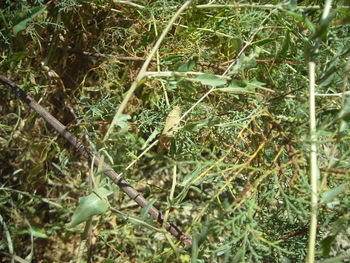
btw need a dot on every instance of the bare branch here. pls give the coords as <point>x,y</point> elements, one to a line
<point>86,152</point>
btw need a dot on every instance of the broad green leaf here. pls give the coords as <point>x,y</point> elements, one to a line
<point>331,194</point>
<point>236,44</point>
<point>236,86</point>
<point>212,121</point>
<point>194,126</point>
<point>297,16</point>
<point>103,171</point>
<point>26,18</point>
<point>326,244</point>
<point>150,138</point>
<point>253,84</point>
<point>187,66</point>
<point>285,45</point>
<point>34,231</point>
<point>122,121</point>
<point>292,5</point>
<point>345,113</point>
<point>37,232</point>
<point>207,122</point>
<point>343,126</point>
<point>171,59</point>
<point>187,85</point>
<point>94,204</point>
<point>340,224</point>
<point>192,176</point>
<point>187,182</point>
<point>302,18</point>
<point>246,62</point>
<point>211,80</point>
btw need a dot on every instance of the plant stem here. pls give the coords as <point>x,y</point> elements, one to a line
<point>267,6</point>
<point>313,166</point>
<point>314,170</point>
<point>142,71</point>
<point>128,3</point>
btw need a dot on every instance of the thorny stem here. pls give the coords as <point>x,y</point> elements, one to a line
<point>87,153</point>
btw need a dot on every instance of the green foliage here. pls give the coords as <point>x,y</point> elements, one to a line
<point>95,203</point>
<point>211,80</point>
<point>241,189</point>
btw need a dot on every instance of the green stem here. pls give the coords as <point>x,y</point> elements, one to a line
<point>313,167</point>
<point>314,170</point>
<point>142,71</point>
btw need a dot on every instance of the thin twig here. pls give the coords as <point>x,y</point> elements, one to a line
<point>142,71</point>
<point>139,59</point>
<point>313,167</point>
<point>314,170</point>
<point>86,152</point>
<point>266,6</point>
<point>128,3</point>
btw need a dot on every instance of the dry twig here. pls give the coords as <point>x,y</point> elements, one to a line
<point>86,152</point>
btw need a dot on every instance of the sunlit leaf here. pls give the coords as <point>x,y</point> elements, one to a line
<point>94,204</point>
<point>145,210</point>
<point>292,5</point>
<point>194,126</point>
<point>252,84</point>
<point>211,80</point>
<point>150,138</point>
<point>122,123</point>
<point>236,43</point>
<point>34,231</point>
<point>331,194</point>
<point>191,176</point>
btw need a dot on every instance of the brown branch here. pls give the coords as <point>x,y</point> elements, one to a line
<point>134,59</point>
<point>78,145</point>
<point>296,233</point>
<point>335,171</point>
<point>100,55</point>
